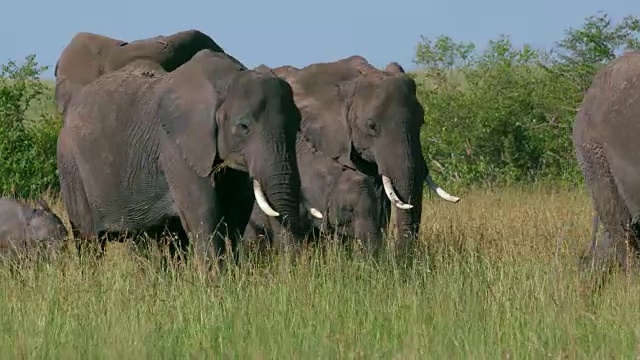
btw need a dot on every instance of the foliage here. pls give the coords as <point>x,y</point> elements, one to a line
<point>505,114</point>
<point>28,134</point>
<point>497,115</point>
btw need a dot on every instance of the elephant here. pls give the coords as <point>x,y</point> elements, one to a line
<point>369,120</point>
<point>394,68</point>
<point>606,150</point>
<point>144,150</point>
<point>334,199</point>
<point>23,227</point>
<point>89,55</point>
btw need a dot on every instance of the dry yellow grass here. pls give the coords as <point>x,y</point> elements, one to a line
<point>498,279</point>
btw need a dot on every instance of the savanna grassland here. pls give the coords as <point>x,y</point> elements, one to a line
<point>494,276</point>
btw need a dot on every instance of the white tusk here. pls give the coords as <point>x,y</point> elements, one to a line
<point>315,213</point>
<point>262,200</point>
<point>443,194</point>
<point>391,194</point>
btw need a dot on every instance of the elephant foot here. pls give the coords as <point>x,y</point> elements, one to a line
<point>91,248</point>
<point>603,260</point>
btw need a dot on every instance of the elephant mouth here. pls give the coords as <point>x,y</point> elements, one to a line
<point>236,166</point>
<point>395,199</point>
<point>232,161</point>
<point>392,195</point>
<point>263,203</point>
<point>370,168</point>
<point>261,200</point>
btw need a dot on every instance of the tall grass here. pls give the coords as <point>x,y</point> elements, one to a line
<point>500,280</point>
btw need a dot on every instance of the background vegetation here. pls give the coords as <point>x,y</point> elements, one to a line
<point>496,116</point>
<point>504,114</point>
<point>29,127</point>
<point>495,275</point>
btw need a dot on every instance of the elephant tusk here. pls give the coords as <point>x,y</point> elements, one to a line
<point>315,213</point>
<point>443,194</point>
<point>391,194</point>
<point>261,200</point>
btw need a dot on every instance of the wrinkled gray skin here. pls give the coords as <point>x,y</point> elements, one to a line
<point>394,68</point>
<point>23,228</point>
<point>346,199</point>
<point>605,141</point>
<point>88,55</point>
<point>368,120</point>
<point>139,145</point>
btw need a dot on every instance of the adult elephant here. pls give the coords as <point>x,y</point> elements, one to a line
<point>395,68</point>
<point>369,120</point>
<point>604,137</point>
<point>89,55</point>
<point>140,148</point>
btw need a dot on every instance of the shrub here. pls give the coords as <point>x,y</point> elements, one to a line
<point>505,114</point>
<point>499,116</point>
<point>28,131</point>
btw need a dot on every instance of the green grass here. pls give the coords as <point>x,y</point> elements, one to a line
<point>500,281</point>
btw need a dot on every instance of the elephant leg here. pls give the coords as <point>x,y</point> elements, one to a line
<point>179,240</point>
<point>168,235</point>
<point>197,211</point>
<point>257,236</point>
<point>234,187</point>
<point>611,209</point>
<point>384,209</point>
<point>83,242</point>
<point>77,204</point>
<point>365,229</point>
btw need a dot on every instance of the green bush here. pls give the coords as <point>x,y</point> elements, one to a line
<point>499,116</point>
<point>504,115</point>
<point>28,131</point>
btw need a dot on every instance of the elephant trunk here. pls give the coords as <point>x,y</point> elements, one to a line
<point>277,185</point>
<point>403,182</point>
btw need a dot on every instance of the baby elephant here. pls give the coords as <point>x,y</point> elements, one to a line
<point>23,228</point>
<point>335,200</point>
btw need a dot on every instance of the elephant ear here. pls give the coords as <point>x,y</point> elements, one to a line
<point>394,68</point>
<point>187,113</point>
<point>346,92</point>
<point>264,69</point>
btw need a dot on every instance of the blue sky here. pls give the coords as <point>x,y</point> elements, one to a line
<point>297,33</point>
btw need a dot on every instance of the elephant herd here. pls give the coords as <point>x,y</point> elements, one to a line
<point>173,134</point>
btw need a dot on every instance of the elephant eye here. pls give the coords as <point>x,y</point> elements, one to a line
<point>241,128</point>
<point>371,125</point>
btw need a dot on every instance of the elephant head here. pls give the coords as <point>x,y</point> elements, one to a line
<point>44,224</point>
<point>221,114</point>
<point>395,68</point>
<point>27,227</point>
<point>367,119</point>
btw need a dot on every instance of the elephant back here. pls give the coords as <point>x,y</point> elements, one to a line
<point>170,52</point>
<point>394,68</point>
<point>79,64</point>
